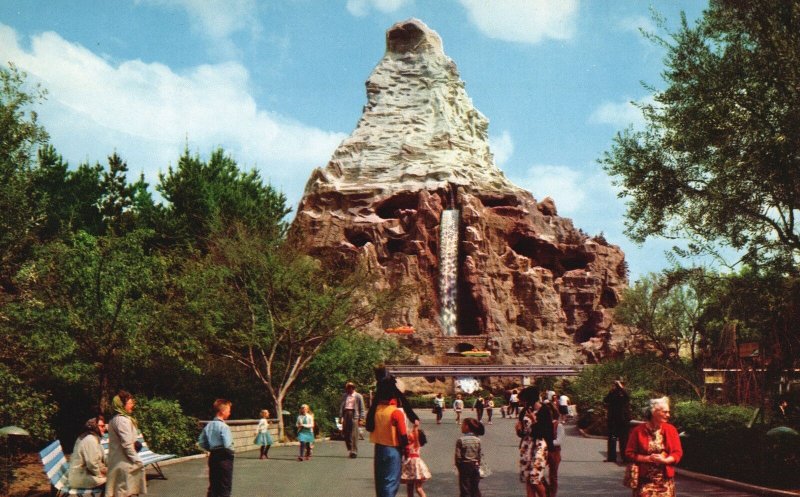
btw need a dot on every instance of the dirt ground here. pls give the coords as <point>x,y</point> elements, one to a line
<point>30,478</point>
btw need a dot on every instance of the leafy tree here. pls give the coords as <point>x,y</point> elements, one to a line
<point>72,196</point>
<point>117,195</point>
<point>719,159</point>
<point>350,356</point>
<point>665,313</point>
<point>207,197</point>
<point>21,205</point>
<point>272,309</point>
<point>90,311</point>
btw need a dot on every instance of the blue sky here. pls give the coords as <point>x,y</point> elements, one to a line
<point>279,84</point>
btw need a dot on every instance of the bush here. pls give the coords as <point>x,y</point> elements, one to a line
<point>23,406</point>
<point>717,441</point>
<point>646,377</point>
<point>165,428</point>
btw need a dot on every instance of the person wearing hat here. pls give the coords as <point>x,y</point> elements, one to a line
<point>352,413</point>
<point>619,416</point>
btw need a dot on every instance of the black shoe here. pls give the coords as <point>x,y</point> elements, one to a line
<point>353,455</point>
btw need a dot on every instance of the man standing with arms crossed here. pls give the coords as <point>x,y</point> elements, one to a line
<point>217,439</point>
<point>352,413</point>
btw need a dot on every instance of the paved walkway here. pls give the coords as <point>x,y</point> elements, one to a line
<point>330,473</point>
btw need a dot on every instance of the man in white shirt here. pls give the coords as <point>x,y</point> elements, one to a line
<point>352,413</point>
<point>458,406</point>
<point>563,406</point>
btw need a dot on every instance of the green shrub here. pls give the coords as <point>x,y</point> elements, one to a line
<point>645,377</point>
<point>22,406</point>
<point>165,428</point>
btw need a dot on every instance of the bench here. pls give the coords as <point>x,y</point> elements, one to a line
<point>57,469</point>
<point>149,458</point>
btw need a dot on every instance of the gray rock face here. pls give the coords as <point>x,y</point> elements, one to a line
<point>530,287</point>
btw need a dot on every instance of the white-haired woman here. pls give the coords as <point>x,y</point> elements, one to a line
<point>656,448</point>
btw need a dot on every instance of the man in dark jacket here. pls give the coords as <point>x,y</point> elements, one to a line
<point>619,416</point>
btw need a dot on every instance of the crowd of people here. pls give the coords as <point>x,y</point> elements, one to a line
<point>653,446</point>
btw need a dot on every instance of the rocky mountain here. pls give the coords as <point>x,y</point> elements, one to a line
<point>500,271</point>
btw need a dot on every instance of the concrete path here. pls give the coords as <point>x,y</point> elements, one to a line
<point>330,473</point>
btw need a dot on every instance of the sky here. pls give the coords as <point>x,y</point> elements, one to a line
<point>279,84</point>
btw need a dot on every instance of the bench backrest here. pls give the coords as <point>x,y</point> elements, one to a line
<point>147,455</point>
<point>57,469</point>
<point>55,464</point>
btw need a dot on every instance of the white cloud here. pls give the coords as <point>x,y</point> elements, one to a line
<point>636,24</point>
<point>146,112</point>
<point>524,21</point>
<point>218,20</point>
<point>361,8</point>
<point>561,183</point>
<point>502,147</point>
<point>620,114</point>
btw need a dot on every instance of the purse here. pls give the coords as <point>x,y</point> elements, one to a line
<point>631,478</point>
<point>483,469</point>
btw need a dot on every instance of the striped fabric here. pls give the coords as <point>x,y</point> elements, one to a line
<point>57,469</point>
<point>148,456</point>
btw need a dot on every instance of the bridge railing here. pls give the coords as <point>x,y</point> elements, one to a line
<point>486,370</point>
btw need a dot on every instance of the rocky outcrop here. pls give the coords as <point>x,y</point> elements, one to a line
<point>531,287</point>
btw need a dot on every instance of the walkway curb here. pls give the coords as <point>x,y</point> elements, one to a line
<point>718,480</point>
<point>201,455</point>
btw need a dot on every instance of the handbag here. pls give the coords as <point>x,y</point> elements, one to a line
<point>483,468</point>
<point>631,478</point>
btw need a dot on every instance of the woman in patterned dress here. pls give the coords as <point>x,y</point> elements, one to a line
<point>656,448</point>
<point>536,427</point>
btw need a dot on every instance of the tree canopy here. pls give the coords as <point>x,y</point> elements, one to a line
<point>719,158</point>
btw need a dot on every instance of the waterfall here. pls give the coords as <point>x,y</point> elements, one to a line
<point>448,270</point>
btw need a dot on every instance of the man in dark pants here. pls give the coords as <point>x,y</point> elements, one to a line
<point>217,438</point>
<point>352,413</point>
<point>619,416</point>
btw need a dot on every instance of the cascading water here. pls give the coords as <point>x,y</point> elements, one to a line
<point>448,270</point>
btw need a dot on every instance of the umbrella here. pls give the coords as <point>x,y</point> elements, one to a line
<point>782,431</point>
<point>529,395</point>
<point>13,430</point>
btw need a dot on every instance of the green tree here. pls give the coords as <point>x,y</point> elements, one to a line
<point>72,196</point>
<point>204,198</point>
<point>350,356</point>
<point>665,313</point>
<point>719,158</point>
<point>271,309</point>
<point>90,314</point>
<point>21,205</point>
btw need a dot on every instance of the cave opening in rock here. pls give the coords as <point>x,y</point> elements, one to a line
<point>499,201</point>
<point>468,317</point>
<point>391,207</point>
<point>357,238</point>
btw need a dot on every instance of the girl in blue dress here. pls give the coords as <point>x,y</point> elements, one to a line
<point>263,438</point>
<point>305,432</point>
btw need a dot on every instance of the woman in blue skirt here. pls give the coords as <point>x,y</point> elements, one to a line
<point>263,438</point>
<point>305,432</point>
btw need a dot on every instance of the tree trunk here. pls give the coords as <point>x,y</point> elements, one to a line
<point>105,402</point>
<point>279,409</point>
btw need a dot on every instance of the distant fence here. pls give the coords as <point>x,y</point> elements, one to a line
<point>486,370</point>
